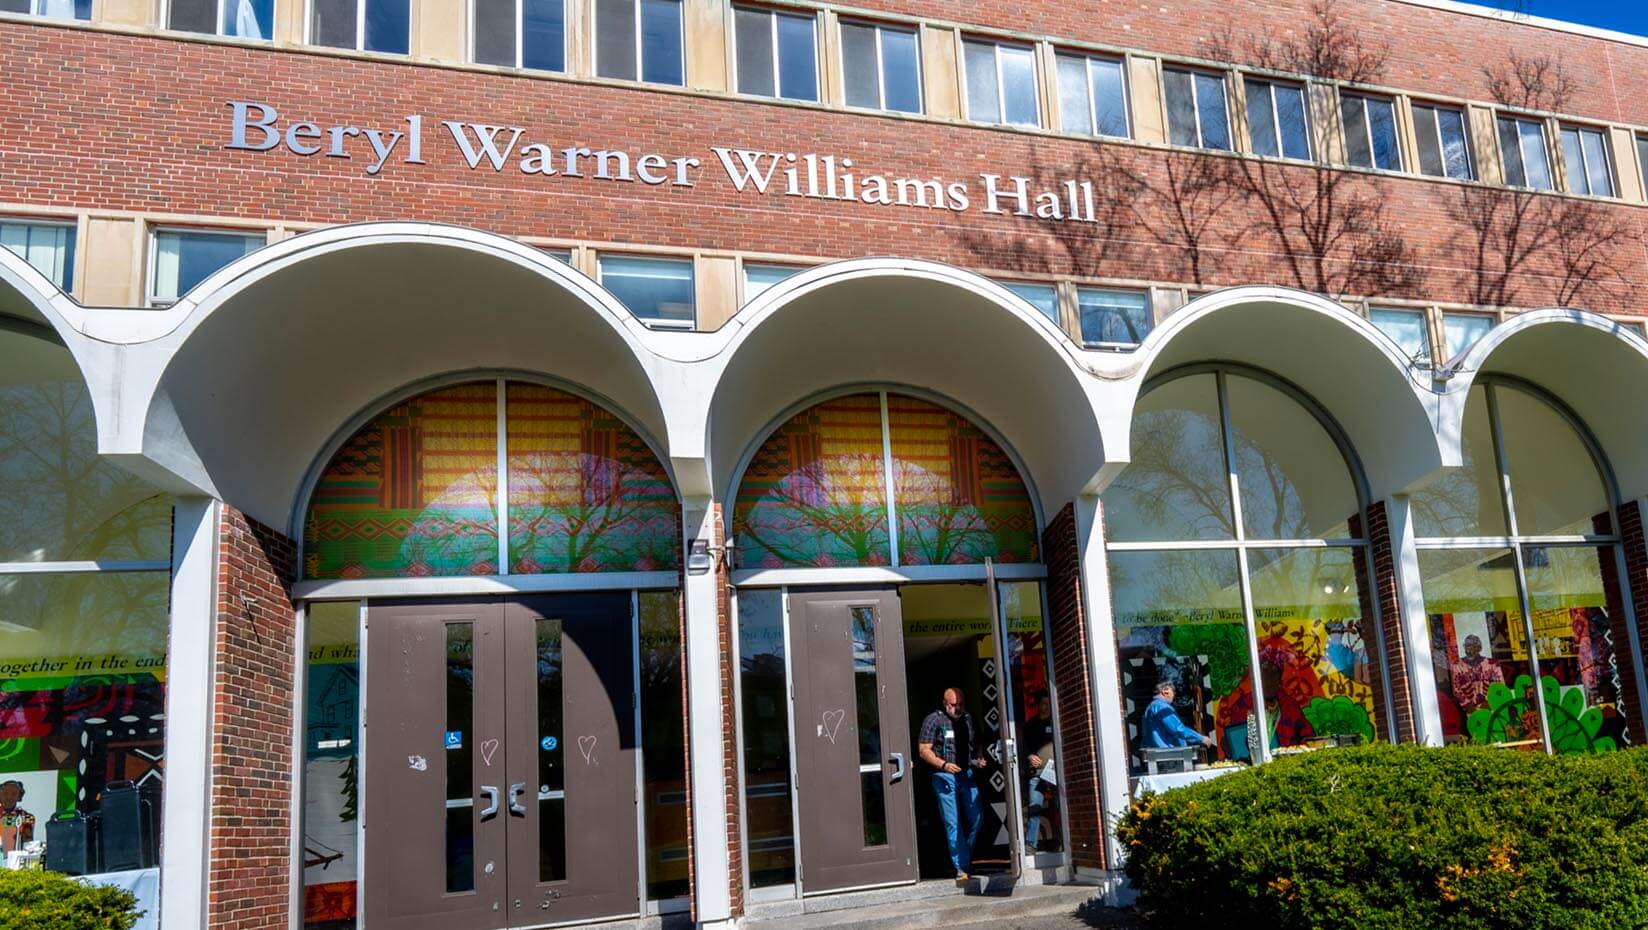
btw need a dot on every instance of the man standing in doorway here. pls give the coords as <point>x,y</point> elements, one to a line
<point>949,744</point>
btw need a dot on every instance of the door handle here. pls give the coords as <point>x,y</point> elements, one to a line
<point>898,774</point>
<point>516,808</point>
<point>491,794</point>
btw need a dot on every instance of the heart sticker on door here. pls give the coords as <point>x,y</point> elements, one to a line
<point>586,745</point>
<point>832,723</point>
<point>489,748</point>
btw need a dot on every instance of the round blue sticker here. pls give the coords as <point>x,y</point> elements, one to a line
<point>549,743</point>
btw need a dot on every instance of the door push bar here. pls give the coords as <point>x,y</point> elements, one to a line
<point>898,760</point>
<point>491,794</point>
<point>516,808</point>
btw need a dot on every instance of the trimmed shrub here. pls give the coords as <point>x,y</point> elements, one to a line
<point>34,900</point>
<point>1388,837</point>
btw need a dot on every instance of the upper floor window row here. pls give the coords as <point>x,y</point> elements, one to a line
<point>47,246</point>
<point>57,9</point>
<point>1001,83</point>
<point>521,34</point>
<point>1585,155</point>
<point>881,67</point>
<point>640,40</point>
<point>1443,141</point>
<point>1276,119</point>
<point>363,25</point>
<point>1197,112</point>
<point>776,54</point>
<point>242,19</point>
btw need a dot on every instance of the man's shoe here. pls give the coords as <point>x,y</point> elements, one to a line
<point>961,879</point>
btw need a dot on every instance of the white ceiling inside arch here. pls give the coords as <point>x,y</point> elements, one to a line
<point>268,379</point>
<point>927,334</point>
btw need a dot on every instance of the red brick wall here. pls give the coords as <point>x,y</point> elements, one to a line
<point>1078,738</point>
<point>729,724</point>
<point>154,113</point>
<point>252,719</point>
<point>1384,586</point>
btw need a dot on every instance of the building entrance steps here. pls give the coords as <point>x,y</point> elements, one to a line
<point>912,908</point>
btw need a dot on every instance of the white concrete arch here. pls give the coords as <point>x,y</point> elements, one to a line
<point>240,385</point>
<point>933,327</point>
<point>1357,375</point>
<point>1596,367</point>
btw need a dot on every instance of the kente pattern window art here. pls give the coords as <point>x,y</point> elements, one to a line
<point>415,491</point>
<point>816,494</point>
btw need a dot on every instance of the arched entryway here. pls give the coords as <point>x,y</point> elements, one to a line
<point>491,573</point>
<point>886,548</point>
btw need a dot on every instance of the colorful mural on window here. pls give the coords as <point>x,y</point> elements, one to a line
<point>415,491</point>
<point>586,493</point>
<point>815,494</point>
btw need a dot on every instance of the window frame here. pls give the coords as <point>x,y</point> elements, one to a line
<point>1442,333</point>
<point>880,66</point>
<point>1441,148</point>
<point>1270,85</point>
<point>654,322</point>
<point>360,29</point>
<point>996,48</point>
<point>520,39</point>
<point>152,266</point>
<point>1111,346</point>
<point>773,14</point>
<point>73,248</point>
<point>1196,105</point>
<point>1363,100</point>
<point>1428,359</point>
<point>1519,121</point>
<point>640,45</point>
<point>1014,286</point>
<point>222,7</point>
<point>1580,131</point>
<point>1088,61</point>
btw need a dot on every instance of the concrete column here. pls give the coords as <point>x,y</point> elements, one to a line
<point>1105,664</point>
<point>1427,715</point>
<point>711,868</point>
<point>186,801</point>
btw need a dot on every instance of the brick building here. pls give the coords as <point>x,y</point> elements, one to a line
<point>506,463</point>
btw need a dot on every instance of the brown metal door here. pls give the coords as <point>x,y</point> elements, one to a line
<point>572,754</point>
<point>435,755</point>
<point>853,767</point>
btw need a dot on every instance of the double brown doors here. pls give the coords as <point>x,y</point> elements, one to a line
<point>854,771</point>
<point>500,776</point>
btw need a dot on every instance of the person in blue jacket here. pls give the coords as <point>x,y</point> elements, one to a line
<point>1162,728</point>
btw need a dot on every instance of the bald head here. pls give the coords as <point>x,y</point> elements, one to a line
<point>953,702</point>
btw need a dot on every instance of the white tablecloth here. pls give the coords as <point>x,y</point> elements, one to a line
<point>145,884</point>
<point>1156,784</point>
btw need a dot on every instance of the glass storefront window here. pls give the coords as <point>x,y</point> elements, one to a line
<point>769,825</point>
<point>1031,681</point>
<point>1466,501</point>
<point>1198,594</point>
<point>1525,636</point>
<point>331,765</point>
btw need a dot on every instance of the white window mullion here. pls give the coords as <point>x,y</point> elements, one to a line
<point>1243,582</point>
<point>880,72</point>
<point>520,34</point>
<point>1276,121</point>
<point>1001,85</point>
<point>772,33</point>
<point>360,25</point>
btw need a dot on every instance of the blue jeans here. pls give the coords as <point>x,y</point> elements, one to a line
<point>1032,823</point>
<point>958,802</point>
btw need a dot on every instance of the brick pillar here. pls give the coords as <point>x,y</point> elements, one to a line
<point>1067,624</point>
<point>1388,616</point>
<point>729,722</point>
<point>1636,582</point>
<point>253,707</point>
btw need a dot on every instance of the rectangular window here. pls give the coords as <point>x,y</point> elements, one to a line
<point>331,764</point>
<point>658,290</point>
<point>654,52</point>
<point>49,247</point>
<point>1444,146</point>
<point>564,256</point>
<point>1044,297</point>
<point>1586,154</point>
<point>777,53</point>
<point>1642,161</point>
<point>881,67</point>
<point>764,721</point>
<point>1196,110</point>
<point>1370,132</point>
<point>1093,96</point>
<point>1407,328</point>
<point>245,19</point>
<point>363,25</point>
<point>1113,318</point>
<point>1522,149</point>
<point>757,278</point>
<point>1276,121</point>
<point>1001,84</point>
<point>1461,331</point>
<point>57,9</point>
<point>182,258</point>
<point>521,34</point>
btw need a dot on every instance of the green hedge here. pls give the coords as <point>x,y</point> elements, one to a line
<point>1387,837</point>
<point>35,900</point>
